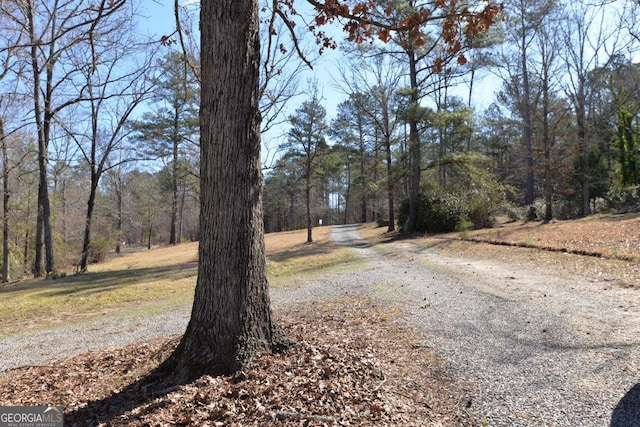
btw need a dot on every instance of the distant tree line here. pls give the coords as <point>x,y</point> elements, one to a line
<point>560,139</point>
<point>99,126</point>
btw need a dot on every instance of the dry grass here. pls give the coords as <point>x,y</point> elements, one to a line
<point>289,257</point>
<point>375,234</point>
<point>288,240</point>
<point>161,257</point>
<point>150,281</point>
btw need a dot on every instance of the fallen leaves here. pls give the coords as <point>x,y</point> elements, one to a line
<point>353,365</point>
<point>612,236</point>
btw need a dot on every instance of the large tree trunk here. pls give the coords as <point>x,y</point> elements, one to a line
<point>231,319</point>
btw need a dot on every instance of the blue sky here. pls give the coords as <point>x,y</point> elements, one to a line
<point>158,17</point>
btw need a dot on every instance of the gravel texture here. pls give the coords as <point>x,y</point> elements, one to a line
<point>541,346</point>
<point>39,347</point>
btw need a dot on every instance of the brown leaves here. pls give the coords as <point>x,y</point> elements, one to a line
<point>353,365</point>
<point>166,40</point>
<point>366,23</point>
<point>384,35</point>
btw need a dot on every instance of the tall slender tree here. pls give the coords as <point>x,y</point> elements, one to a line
<point>547,42</point>
<point>5,204</point>
<point>352,127</point>
<point>8,65</point>
<point>53,32</point>
<point>378,77</point>
<point>171,124</point>
<point>306,141</point>
<point>523,21</point>
<point>589,44</point>
<point>117,82</point>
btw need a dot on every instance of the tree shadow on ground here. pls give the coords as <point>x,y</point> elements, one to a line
<point>627,411</point>
<point>101,281</point>
<point>301,251</point>
<point>619,218</point>
<point>143,395</point>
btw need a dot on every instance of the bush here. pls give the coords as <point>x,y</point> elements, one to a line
<point>437,213</point>
<point>480,212</point>
<point>473,196</point>
<point>98,249</point>
<point>440,211</point>
<point>623,199</point>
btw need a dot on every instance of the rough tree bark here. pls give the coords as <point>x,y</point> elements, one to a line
<point>231,319</point>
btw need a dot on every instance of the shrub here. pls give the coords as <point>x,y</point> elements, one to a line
<point>437,212</point>
<point>480,212</point>
<point>99,248</point>
<point>473,196</point>
<point>623,199</point>
<point>440,211</point>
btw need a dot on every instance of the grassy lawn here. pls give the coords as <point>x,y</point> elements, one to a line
<point>152,281</point>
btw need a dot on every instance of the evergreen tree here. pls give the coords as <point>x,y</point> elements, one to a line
<point>306,141</point>
<point>627,144</point>
<point>170,129</point>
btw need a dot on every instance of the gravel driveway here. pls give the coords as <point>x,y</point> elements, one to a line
<point>541,347</point>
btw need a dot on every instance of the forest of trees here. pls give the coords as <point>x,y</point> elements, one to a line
<point>100,136</point>
<point>557,140</point>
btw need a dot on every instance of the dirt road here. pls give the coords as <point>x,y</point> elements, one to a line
<point>542,346</point>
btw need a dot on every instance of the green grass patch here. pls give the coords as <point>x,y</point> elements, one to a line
<point>38,303</point>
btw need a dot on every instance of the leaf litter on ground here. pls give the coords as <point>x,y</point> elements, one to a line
<point>352,365</point>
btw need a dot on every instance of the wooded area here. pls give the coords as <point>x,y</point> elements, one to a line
<point>100,131</point>
<point>558,141</point>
